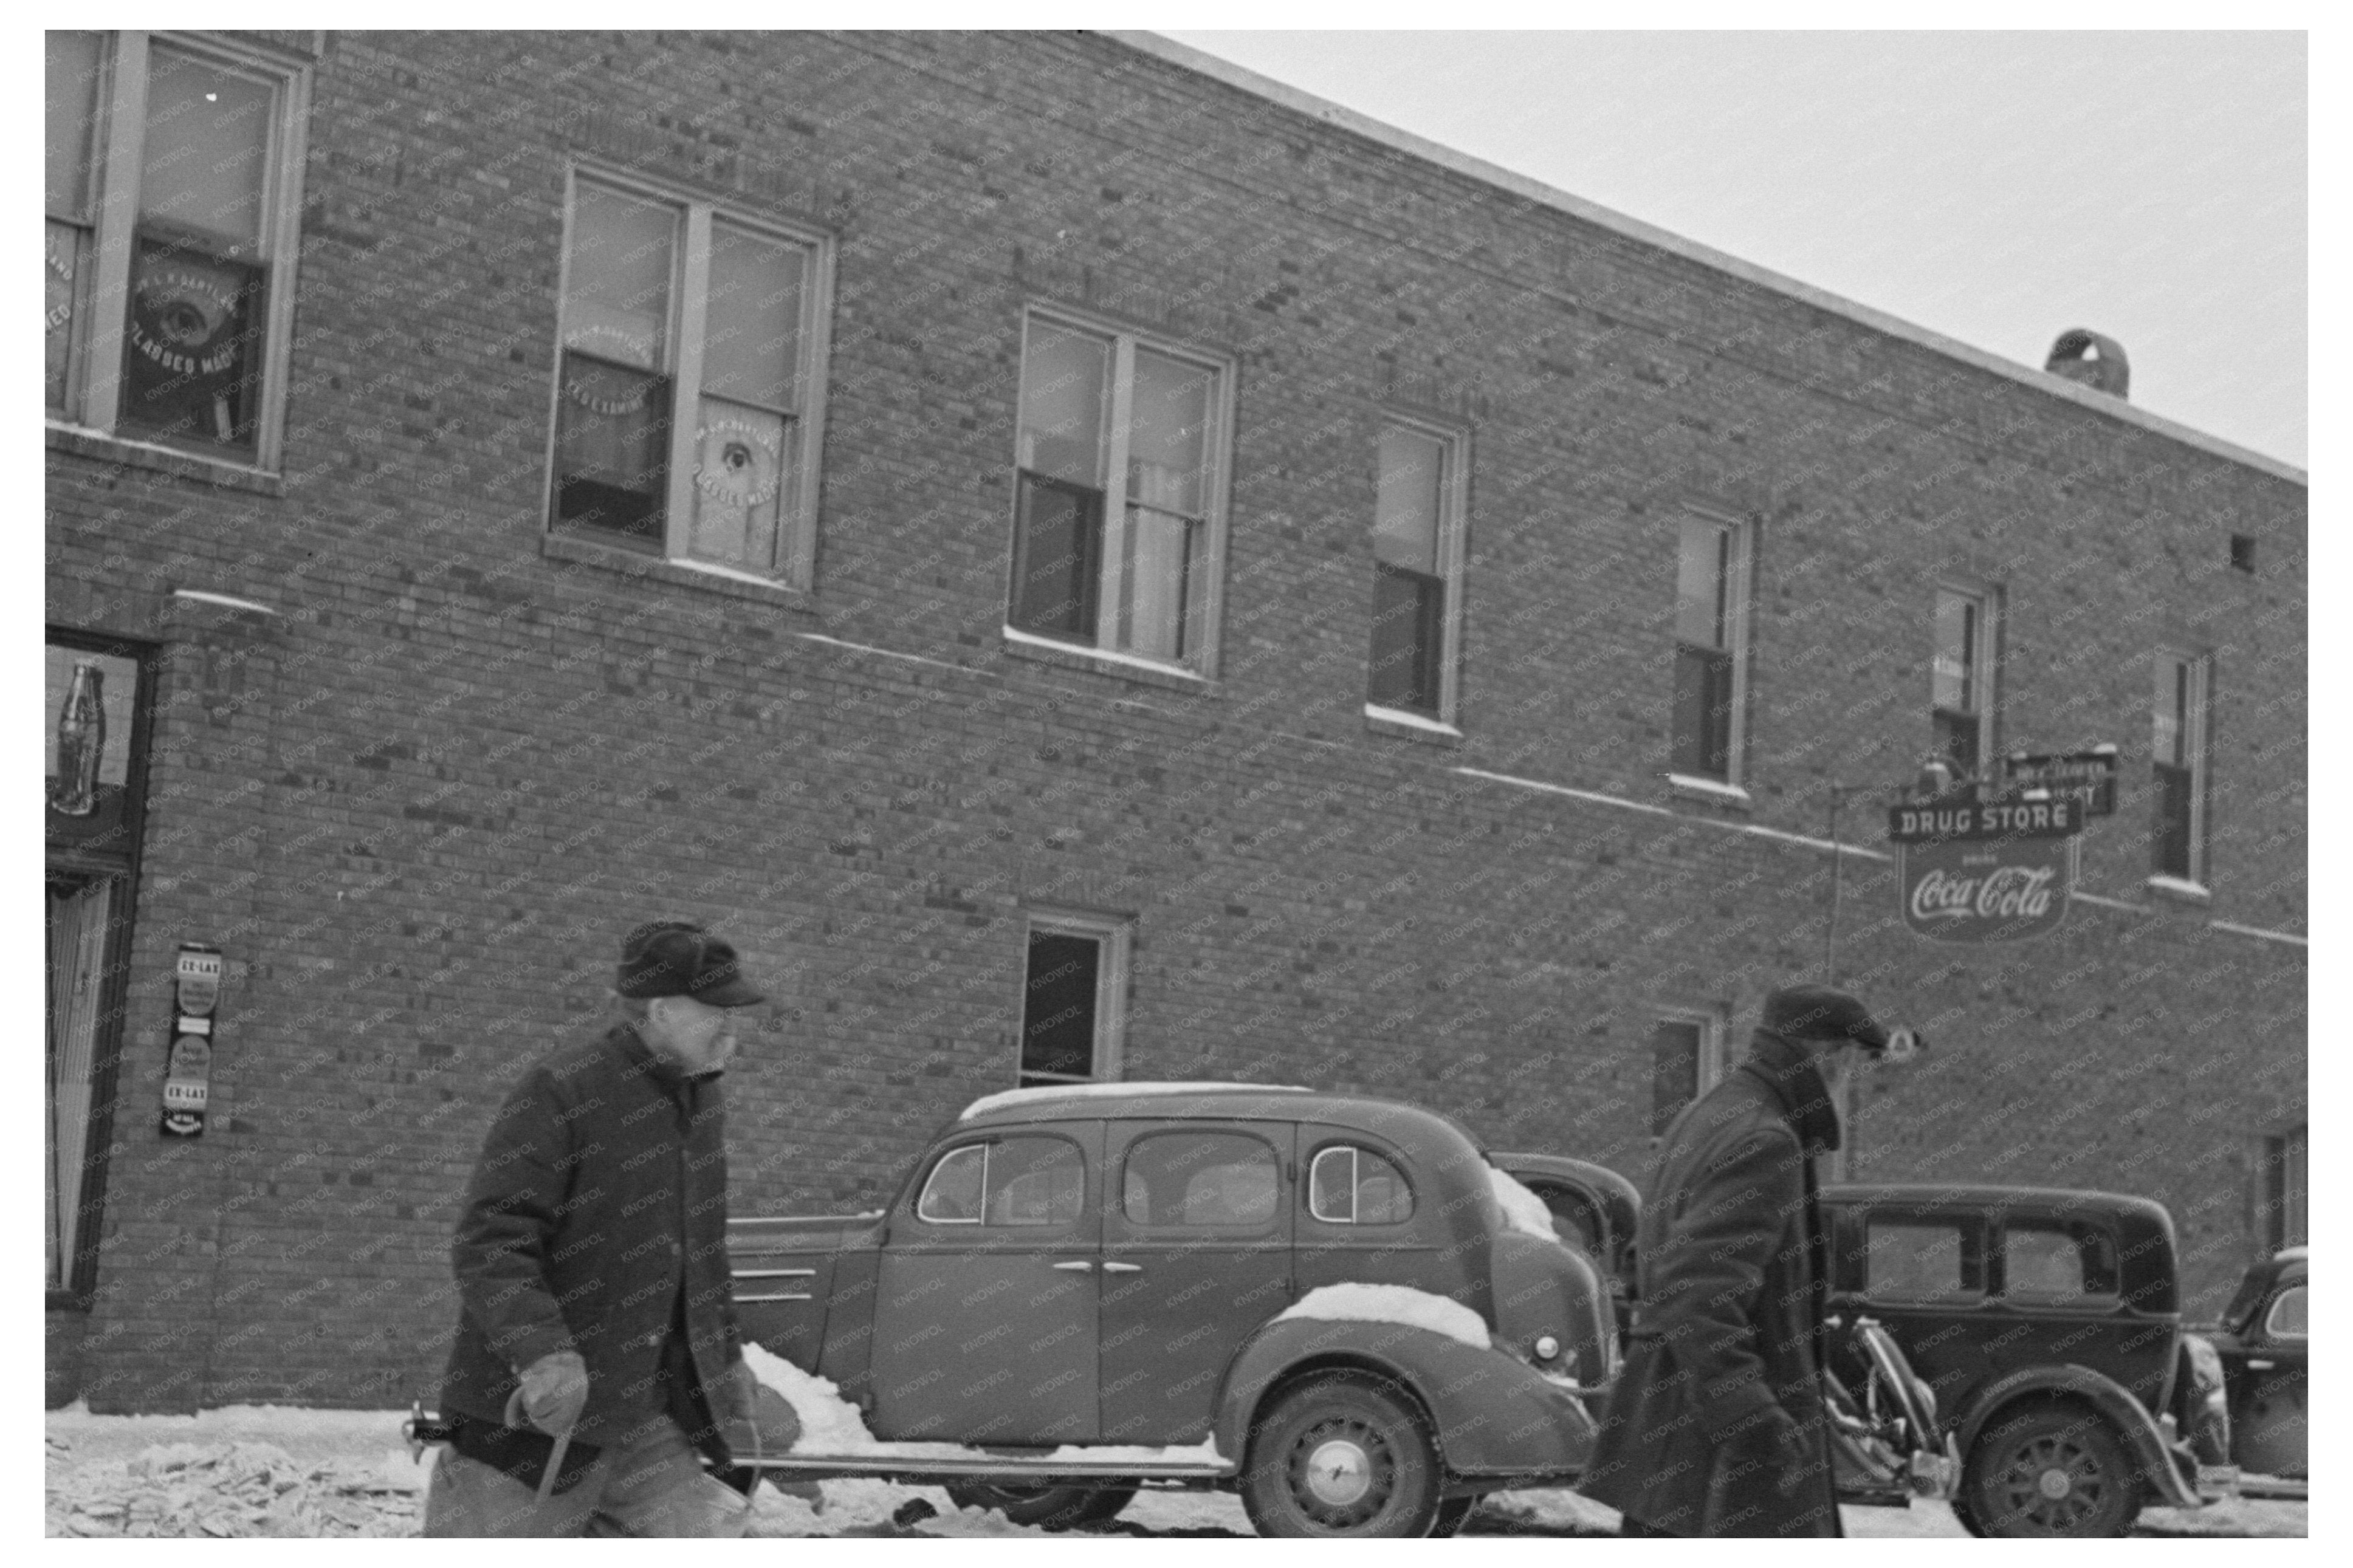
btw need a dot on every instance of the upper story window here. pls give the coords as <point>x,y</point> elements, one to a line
<point>1711,649</point>
<point>1417,567</point>
<point>172,194</point>
<point>689,388</point>
<point>1118,524</point>
<point>2178,834</point>
<point>1960,680</point>
<point>1686,1061</point>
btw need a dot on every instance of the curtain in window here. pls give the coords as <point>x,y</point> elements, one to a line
<point>1166,453</point>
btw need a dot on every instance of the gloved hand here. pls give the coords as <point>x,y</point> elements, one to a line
<point>554,1391</point>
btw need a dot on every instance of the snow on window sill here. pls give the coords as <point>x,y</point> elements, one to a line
<point>1714,790</point>
<point>2179,888</point>
<point>1409,725</point>
<point>1078,656</point>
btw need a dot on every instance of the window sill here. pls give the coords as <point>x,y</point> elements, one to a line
<point>1686,788</point>
<point>86,443</point>
<point>680,573</point>
<point>2183,892</point>
<point>1410,726</point>
<point>1068,656</point>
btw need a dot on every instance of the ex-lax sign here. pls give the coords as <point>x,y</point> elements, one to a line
<point>1986,870</point>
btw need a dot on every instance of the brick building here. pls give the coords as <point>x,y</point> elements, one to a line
<point>1084,563</point>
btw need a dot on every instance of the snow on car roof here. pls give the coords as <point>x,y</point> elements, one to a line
<point>1093,1090</point>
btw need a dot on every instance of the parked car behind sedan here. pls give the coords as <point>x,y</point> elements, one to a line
<point>2261,1344</point>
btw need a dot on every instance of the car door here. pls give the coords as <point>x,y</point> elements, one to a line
<point>2058,1299</point>
<point>1196,1255</point>
<point>1921,1273</point>
<point>985,1317</point>
<point>2269,1431</point>
<point>1581,1220</point>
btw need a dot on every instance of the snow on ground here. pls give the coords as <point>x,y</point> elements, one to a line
<point>1391,1304</point>
<point>1523,1209</point>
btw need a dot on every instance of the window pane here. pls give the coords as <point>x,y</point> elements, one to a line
<point>206,149</point>
<point>1169,421</point>
<point>752,321</point>
<point>1702,714</point>
<point>2043,1264</point>
<point>1063,379</point>
<point>1573,1220</point>
<point>1956,739</point>
<point>1058,1011</point>
<point>1211,1180</point>
<point>1057,559</point>
<point>953,1195</point>
<point>617,285</point>
<point>1156,585</point>
<point>1406,500</point>
<point>1332,1187</point>
<point>2169,835</point>
<point>612,444</point>
<point>1701,568</point>
<point>1953,676</point>
<point>1409,625</point>
<point>190,353</point>
<point>1914,1260</point>
<point>1035,1181</point>
<point>1674,1071</point>
<point>1382,1195</point>
<point>742,458</point>
<point>72,97</point>
<point>2291,1314</point>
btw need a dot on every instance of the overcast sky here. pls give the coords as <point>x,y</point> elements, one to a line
<point>1995,187</point>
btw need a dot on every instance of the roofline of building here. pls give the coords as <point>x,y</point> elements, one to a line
<point>1521,185</point>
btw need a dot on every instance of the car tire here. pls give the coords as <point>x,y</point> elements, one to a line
<point>1048,1508</point>
<point>2049,1469</point>
<point>1453,1515</point>
<point>1342,1455</point>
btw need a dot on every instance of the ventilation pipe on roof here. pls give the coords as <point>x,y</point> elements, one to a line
<point>2098,363</point>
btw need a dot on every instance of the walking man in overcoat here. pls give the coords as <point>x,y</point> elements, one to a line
<point>1718,1425</point>
<point>596,1350</point>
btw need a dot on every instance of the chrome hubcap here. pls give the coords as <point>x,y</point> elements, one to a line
<point>1339,1472</point>
<point>2054,1484</point>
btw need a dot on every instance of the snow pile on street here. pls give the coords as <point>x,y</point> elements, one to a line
<point>1204,1452</point>
<point>233,1488</point>
<point>1086,1090</point>
<point>1523,1210</point>
<point>1390,1304</point>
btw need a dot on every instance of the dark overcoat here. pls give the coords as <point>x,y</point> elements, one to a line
<point>1728,1318</point>
<point>601,1190</point>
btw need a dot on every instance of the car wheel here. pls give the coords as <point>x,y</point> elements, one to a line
<point>1341,1455</point>
<point>1050,1508</point>
<point>2049,1469</point>
<point>1453,1515</point>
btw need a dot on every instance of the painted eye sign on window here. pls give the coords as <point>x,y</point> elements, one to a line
<point>739,462</point>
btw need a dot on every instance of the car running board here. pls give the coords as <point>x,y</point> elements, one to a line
<point>918,1472</point>
<point>2273,1487</point>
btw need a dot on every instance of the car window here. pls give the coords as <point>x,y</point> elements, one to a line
<point>1919,1260</point>
<point>2057,1263</point>
<point>1012,1182</point>
<point>1573,1220</point>
<point>1348,1186</point>
<point>1208,1180</point>
<point>2287,1319</point>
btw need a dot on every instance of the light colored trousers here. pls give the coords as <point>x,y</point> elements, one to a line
<point>651,1484</point>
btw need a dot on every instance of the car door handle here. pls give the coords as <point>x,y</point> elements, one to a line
<point>1076,1266</point>
<point>1122,1268</point>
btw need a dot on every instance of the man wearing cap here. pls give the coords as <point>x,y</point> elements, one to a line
<point>1717,1423</point>
<point>597,1347</point>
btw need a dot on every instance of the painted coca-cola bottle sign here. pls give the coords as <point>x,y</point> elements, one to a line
<point>1981,890</point>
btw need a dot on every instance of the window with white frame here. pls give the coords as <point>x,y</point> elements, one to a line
<point>1686,1060</point>
<point>1961,678</point>
<point>1118,534</point>
<point>689,389</point>
<point>1711,649</point>
<point>1417,561</point>
<point>172,194</point>
<point>2178,832</point>
<point>1073,999</point>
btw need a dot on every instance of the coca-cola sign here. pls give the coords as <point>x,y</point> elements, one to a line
<point>1986,890</point>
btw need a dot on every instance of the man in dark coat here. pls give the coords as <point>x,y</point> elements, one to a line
<point>597,1349</point>
<point>1717,1425</point>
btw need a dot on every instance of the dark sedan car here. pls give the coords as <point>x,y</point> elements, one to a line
<point>2261,1342</point>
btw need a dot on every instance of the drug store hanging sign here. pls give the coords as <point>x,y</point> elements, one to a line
<point>1986,870</point>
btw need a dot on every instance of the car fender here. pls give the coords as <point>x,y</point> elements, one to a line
<point>1493,1414</point>
<point>2143,1439</point>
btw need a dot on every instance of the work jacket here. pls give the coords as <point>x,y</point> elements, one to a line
<point>601,1191</point>
<point>1727,1336</point>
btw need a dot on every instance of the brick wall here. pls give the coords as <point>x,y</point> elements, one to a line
<point>417,805</point>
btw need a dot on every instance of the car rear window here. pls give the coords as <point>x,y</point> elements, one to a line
<point>2288,1318</point>
<point>1348,1186</point>
<point>1219,1180</point>
<point>1919,1260</point>
<point>2055,1263</point>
